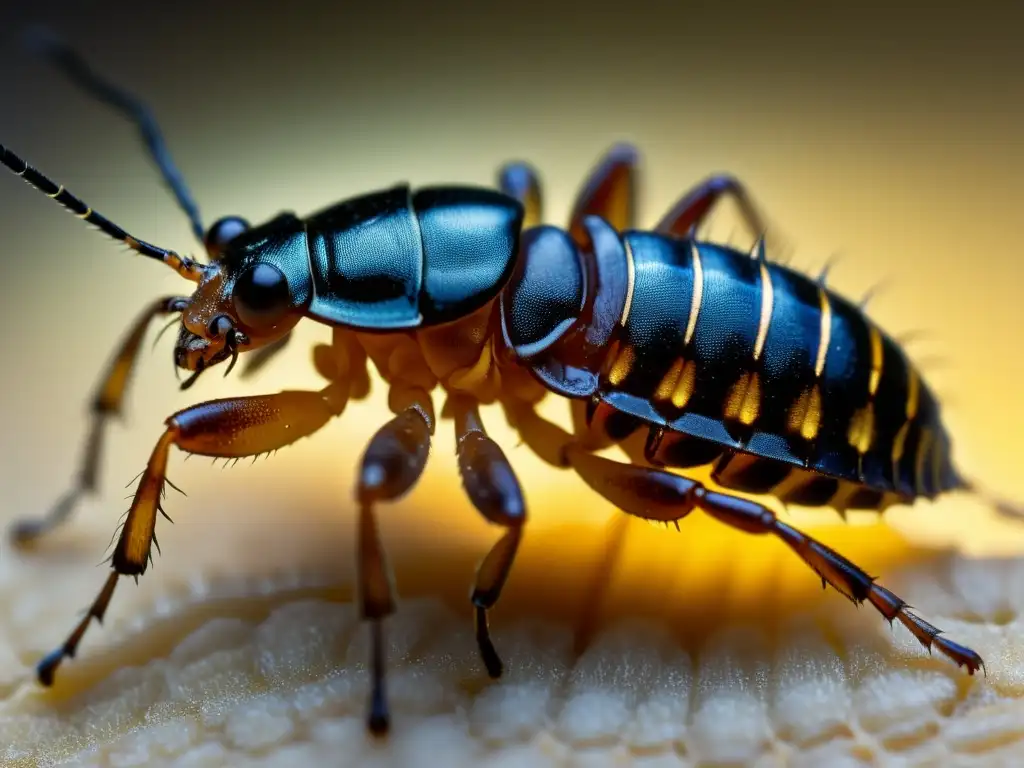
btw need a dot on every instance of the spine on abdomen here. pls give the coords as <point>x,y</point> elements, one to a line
<point>724,346</point>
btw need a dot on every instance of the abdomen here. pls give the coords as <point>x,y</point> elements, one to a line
<point>788,387</point>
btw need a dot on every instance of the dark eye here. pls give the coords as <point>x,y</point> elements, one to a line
<point>261,296</point>
<point>222,232</point>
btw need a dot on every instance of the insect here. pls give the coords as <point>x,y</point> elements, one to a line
<point>720,357</point>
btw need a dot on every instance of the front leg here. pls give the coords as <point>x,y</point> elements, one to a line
<point>231,428</point>
<point>107,403</point>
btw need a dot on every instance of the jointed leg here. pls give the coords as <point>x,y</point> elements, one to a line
<point>653,494</point>
<point>546,439</point>
<point>491,485</point>
<point>693,208</point>
<point>108,402</point>
<point>609,192</point>
<point>393,462</point>
<point>230,428</point>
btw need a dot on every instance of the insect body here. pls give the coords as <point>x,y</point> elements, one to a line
<point>721,356</point>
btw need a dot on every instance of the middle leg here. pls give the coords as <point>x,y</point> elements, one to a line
<point>491,485</point>
<point>391,465</point>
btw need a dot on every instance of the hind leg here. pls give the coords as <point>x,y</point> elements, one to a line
<point>656,495</point>
<point>609,191</point>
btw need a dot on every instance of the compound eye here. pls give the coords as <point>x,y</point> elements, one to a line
<point>222,232</point>
<point>261,296</point>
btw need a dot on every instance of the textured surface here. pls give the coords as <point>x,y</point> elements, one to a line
<point>241,646</point>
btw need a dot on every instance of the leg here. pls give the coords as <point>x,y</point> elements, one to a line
<point>609,192</point>
<point>491,485</point>
<point>520,181</point>
<point>656,495</point>
<point>108,402</point>
<point>693,208</point>
<point>393,462</point>
<point>77,70</point>
<point>232,428</point>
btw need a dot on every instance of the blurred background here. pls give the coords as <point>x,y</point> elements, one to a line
<point>889,136</point>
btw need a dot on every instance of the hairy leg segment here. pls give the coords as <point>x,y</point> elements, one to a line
<point>231,428</point>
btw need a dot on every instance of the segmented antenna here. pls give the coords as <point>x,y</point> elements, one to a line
<point>184,266</point>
